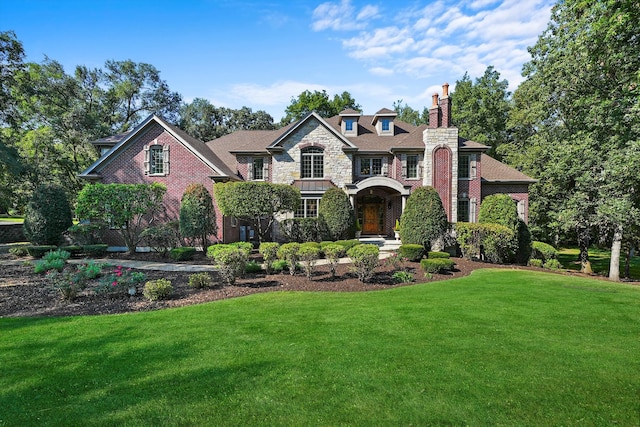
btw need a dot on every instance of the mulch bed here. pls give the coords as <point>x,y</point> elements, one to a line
<point>24,293</point>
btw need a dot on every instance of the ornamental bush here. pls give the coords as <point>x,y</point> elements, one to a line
<point>543,251</point>
<point>497,241</point>
<point>229,260</point>
<point>269,252</point>
<point>438,254</point>
<point>155,290</point>
<point>411,251</point>
<point>309,254</point>
<point>336,215</point>
<point>437,265</point>
<point>332,253</point>
<point>424,219</point>
<point>39,251</point>
<point>47,215</point>
<point>301,230</point>
<point>365,259</point>
<point>348,244</point>
<point>246,247</point>
<point>183,253</point>
<point>502,209</point>
<point>98,250</point>
<point>197,215</point>
<point>162,237</point>
<point>199,280</point>
<point>289,253</point>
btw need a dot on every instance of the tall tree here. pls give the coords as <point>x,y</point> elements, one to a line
<point>136,90</point>
<point>480,109</point>
<point>576,114</point>
<point>319,102</point>
<point>409,115</point>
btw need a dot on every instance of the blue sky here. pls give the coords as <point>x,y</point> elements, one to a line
<point>260,54</point>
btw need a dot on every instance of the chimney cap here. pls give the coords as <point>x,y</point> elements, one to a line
<point>445,90</point>
<point>434,99</point>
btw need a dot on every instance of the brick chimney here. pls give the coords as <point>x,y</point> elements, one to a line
<point>445,107</point>
<point>435,118</point>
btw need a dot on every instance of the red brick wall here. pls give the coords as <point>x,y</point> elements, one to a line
<point>442,170</point>
<point>184,169</point>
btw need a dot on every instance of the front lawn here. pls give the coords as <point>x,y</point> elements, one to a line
<point>499,347</point>
<point>600,259</point>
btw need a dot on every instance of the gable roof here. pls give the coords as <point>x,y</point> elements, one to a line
<point>312,115</point>
<point>494,171</point>
<point>194,145</point>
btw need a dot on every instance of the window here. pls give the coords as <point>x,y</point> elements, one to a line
<point>156,160</point>
<point>104,150</point>
<point>412,166</point>
<point>258,168</point>
<point>371,167</point>
<point>463,210</point>
<point>386,125</point>
<point>348,125</point>
<point>312,163</point>
<point>464,167</point>
<point>308,208</point>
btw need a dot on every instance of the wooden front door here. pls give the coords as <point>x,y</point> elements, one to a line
<point>371,220</point>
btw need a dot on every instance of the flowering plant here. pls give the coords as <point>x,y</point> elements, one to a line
<point>68,282</point>
<point>120,281</point>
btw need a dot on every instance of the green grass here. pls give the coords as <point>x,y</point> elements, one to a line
<point>600,259</point>
<point>500,347</point>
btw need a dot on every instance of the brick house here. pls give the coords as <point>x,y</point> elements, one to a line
<point>376,159</point>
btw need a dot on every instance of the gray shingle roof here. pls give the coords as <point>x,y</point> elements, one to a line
<point>494,171</point>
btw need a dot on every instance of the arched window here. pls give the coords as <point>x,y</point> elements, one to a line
<point>312,163</point>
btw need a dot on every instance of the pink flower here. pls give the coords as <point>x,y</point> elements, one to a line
<point>118,273</point>
<point>115,283</point>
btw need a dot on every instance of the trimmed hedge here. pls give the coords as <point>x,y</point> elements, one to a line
<point>365,259</point>
<point>301,230</point>
<point>543,251</point>
<point>183,253</point>
<point>99,250</point>
<point>437,265</point>
<point>411,251</point>
<point>39,251</point>
<point>348,244</point>
<point>438,254</point>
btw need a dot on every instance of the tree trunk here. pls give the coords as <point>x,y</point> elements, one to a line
<point>616,246</point>
<point>585,264</point>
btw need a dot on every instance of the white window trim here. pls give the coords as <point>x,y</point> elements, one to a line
<point>165,159</point>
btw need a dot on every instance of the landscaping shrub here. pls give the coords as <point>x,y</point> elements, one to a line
<point>197,215</point>
<point>269,252</point>
<point>18,251</point>
<point>74,250</point>
<point>543,251</point>
<point>402,277</point>
<point>86,233</point>
<point>68,282</point>
<point>411,251</point>
<point>309,253</point>
<point>200,280</point>
<point>535,262</point>
<point>335,215</point>
<point>497,240</point>
<point>161,238</point>
<point>279,265</point>
<point>183,253</point>
<point>39,251</point>
<point>365,259</point>
<point>121,281</point>
<point>553,264</point>
<point>301,230</point>
<point>289,253</point>
<point>424,219</point>
<point>437,265</point>
<point>333,252</point>
<point>90,270</point>
<point>502,209</point>
<point>155,290</point>
<point>252,267</point>
<point>42,265</point>
<point>229,260</point>
<point>57,254</point>
<point>98,250</point>
<point>437,254</point>
<point>348,244</point>
<point>246,247</point>
<point>47,215</point>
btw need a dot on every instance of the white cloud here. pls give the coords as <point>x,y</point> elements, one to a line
<point>381,71</point>
<point>342,16</point>
<point>279,93</point>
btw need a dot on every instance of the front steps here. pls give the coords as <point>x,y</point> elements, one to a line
<point>385,244</point>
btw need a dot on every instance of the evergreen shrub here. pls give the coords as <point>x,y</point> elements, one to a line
<point>97,250</point>
<point>269,252</point>
<point>229,259</point>
<point>183,253</point>
<point>39,251</point>
<point>200,280</point>
<point>543,251</point>
<point>308,253</point>
<point>158,289</point>
<point>424,219</point>
<point>365,259</point>
<point>437,265</point>
<point>197,215</point>
<point>335,215</point>
<point>47,215</point>
<point>332,253</point>
<point>438,254</point>
<point>411,252</point>
<point>289,253</point>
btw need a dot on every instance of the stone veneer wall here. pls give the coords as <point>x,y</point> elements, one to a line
<point>434,139</point>
<point>337,164</point>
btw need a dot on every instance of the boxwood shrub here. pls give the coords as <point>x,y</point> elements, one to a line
<point>39,251</point>
<point>543,251</point>
<point>411,251</point>
<point>438,254</point>
<point>157,289</point>
<point>183,253</point>
<point>98,250</point>
<point>437,265</point>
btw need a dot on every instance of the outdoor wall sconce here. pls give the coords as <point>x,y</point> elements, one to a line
<point>389,205</point>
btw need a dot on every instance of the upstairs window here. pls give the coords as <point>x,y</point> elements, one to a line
<point>386,125</point>
<point>258,168</point>
<point>312,163</point>
<point>156,159</point>
<point>412,166</point>
<point>348,125</point>
<point>464,167</point>
<point>371,167</point>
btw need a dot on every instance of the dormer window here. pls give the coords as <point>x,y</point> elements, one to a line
<point>348,125</point>
<point>349,122</point>
<point>383,122</point>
